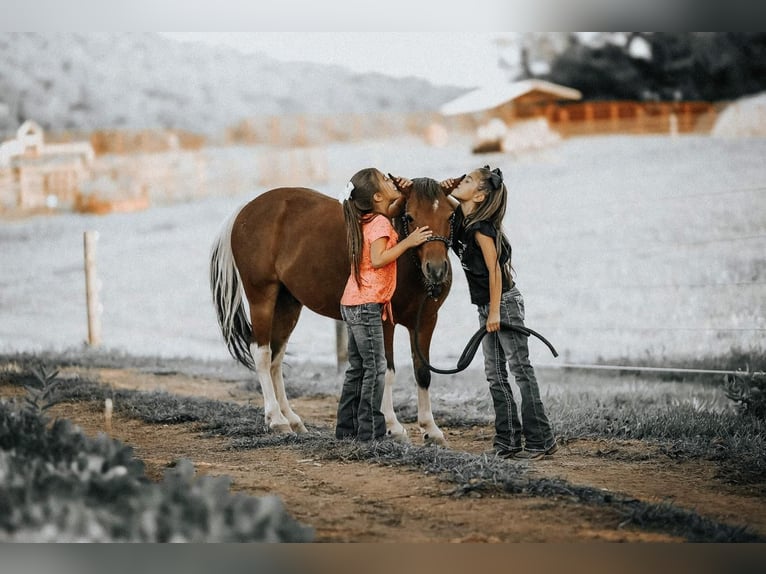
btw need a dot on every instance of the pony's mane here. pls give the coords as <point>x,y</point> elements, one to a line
<point>427,188</point>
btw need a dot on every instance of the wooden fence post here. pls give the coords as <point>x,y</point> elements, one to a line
<point>341,344</point>
<point>91,289</point>
<point>673,124</point>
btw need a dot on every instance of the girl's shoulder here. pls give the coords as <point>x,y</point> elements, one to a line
<point>378,224</point>
<point>484,227</point>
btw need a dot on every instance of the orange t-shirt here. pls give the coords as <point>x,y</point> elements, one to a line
<point>378,285</point>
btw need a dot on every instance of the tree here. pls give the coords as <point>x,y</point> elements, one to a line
<point>681,65</point>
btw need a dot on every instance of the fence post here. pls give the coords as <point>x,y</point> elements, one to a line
<point>91,289</point>
<point>673,124</point>
<point>341,344</point>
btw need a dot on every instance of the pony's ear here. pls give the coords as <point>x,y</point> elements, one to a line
<point>449,185</point>
<point>403,184</point>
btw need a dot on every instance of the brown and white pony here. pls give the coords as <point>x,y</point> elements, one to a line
<point>286,249</point>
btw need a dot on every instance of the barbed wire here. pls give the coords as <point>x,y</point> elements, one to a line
<point>687,329</point>
<point>587,366</point>
<point>659,286</point>
<point>645,248</point>
<point>560,246</point>
<point>655,199</point>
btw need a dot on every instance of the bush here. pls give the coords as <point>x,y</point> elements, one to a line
<point>59,485</point>
<point>748,394</point>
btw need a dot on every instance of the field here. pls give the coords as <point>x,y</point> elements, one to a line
<point>635,247</point>
<point>647,250</point>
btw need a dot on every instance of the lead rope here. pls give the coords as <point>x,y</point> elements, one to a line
<point>473,344</point>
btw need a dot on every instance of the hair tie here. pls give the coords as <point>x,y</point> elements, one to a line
<point>345,195</point>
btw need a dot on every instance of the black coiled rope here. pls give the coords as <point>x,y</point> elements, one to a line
<point>473,344</point>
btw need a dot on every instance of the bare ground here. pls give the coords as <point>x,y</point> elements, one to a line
<point>362,502</point>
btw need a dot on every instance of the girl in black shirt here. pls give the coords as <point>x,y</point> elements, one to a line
<point>485,255</point>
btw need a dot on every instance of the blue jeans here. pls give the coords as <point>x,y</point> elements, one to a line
<point>511,347</point>
<point>359,415</point>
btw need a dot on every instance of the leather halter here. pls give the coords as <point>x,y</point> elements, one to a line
<point>433,289</point>
<point>446,240</point>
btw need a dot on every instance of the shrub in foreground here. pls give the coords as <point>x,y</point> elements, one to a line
<point>58,485</point>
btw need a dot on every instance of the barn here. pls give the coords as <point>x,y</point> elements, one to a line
<point>511,117</point>
<point>511,101</point>
<point>34,174</point>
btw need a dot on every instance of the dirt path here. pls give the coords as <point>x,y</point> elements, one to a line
<point>363,502</point>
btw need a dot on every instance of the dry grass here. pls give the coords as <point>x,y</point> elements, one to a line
<point>737,443</point>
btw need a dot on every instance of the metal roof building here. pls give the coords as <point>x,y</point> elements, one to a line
<point>503,100</point>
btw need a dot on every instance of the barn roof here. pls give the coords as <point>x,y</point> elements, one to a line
<point>493,96</point>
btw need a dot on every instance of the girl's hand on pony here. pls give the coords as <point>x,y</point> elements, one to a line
<point>401,183</point>
<point>417,237</point>
<point>449,185</point>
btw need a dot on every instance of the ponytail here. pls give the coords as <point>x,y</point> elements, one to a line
<point>357,207</point>
<point>492,209</point>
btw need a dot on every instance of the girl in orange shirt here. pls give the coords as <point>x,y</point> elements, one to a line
<point>373,247</point>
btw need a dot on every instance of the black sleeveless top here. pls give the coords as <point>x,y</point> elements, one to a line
<point>471,258</point>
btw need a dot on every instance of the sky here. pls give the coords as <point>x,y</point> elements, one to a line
<point>444,58</point>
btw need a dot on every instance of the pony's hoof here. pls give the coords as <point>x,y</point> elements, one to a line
<point>281,428</point>
<point>401,437</point>
<point>434,439</point>
<point>299,428</point>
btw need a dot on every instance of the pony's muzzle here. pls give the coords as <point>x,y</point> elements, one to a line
<point>436,272</point>
<point>435,291</point>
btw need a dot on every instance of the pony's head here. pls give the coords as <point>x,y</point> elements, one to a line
<point>427,204</point>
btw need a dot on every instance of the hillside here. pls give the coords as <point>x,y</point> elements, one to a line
<point>88,80</point>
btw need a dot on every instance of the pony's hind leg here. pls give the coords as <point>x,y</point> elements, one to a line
<point>285,318</point>
<point>275,420</point>
<point>295,422</point>
<point>260,348</point>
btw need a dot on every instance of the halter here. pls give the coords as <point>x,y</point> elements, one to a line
<point>446,240</point>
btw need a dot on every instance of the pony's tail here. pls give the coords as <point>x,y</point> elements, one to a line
<point>226,287</point>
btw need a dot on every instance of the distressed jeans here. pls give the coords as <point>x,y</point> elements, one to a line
<point>359,415</point>
<point>510,347</point>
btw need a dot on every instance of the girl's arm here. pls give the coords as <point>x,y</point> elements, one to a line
<point>488,250</point>
<point>380,256</point>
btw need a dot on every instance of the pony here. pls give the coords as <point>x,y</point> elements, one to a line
<point>286,249</point>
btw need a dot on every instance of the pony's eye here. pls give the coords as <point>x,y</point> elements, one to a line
<point>408,218</point>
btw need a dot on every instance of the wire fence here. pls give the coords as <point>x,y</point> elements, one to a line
<point>658,281</point>
<point>639,369</point>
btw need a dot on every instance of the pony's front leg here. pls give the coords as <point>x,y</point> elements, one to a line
<point>295,422</point>
<point>432,434</point>
<point>394,428</point>
<point>275,420</point>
